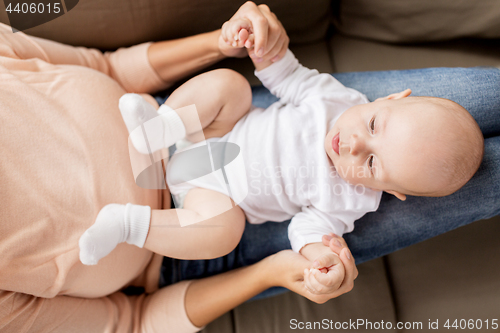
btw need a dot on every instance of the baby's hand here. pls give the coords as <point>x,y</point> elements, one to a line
<point>236,34</point>
<point>326,275</point>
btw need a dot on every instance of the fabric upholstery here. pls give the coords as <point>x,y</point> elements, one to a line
<point>418,20</point>
<point>115,23</point>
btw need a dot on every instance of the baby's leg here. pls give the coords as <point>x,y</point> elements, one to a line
<point>206,106</point>
<point>215,223</point>
<point>221,97</point>
<point>215,227</point>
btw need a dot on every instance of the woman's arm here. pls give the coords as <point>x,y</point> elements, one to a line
<point>143,68</point>
<point>175,59</point>
<point>149,67</point>
<point>209,298</point>
<point>130,67</point>
<point>162,311</point>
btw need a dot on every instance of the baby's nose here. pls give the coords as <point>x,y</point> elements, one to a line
<point>356,144</point>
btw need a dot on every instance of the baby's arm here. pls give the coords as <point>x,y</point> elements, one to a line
<point>306,232</point>
<point>327,272</point>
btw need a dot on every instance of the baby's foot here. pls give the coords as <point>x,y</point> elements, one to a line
<point>114,224</point>
<point>135,112</point>
<point>150,130</point>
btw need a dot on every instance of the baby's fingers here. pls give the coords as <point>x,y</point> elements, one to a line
<point>308,281</point>
<point>237,30</point>
<point>242,37</point>
<point>333,279</point>
<point>326,260</point>
<point>312,284</point>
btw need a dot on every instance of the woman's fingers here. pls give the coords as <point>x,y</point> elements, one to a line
<point>224,32</point>
<point>269,40</point>
<point>279,50</point>
<point>275,50</point>
<point>250,41</point>
<point>351,272</point>
<point>326,260</point>
<point>251,12</point>
<point>239,24</point>
<point>276,53</point>
<point>341,240</point>
<point>326,240</point>
<point>338,245</point>
<point>282,52</point>
<point>335,242</point>
<point>296,276</point>
<point>275,32</point>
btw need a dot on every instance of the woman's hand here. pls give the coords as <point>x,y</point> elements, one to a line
<point>286,269</point>
<point>256,31</point>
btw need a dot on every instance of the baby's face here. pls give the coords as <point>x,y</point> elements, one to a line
<point>387,145</point>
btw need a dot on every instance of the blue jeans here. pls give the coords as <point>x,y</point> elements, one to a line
<point>395,224</point>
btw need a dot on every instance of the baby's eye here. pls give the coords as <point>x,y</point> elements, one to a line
<point>372,124</point>
<point>370,164</point>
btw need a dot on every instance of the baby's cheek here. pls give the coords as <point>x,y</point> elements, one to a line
<point>364,176</point>
<point>346,171</point>
<point>355,176</point>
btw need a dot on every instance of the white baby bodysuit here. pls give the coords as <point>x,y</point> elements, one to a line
<point>287,172</point>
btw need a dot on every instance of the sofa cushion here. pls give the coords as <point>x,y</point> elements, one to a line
<point>357,55</point>
<point>114,23</point>
<point>418,20</point>
<point>452,276</point>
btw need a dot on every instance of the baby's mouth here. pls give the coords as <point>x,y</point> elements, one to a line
<point>335,143</point>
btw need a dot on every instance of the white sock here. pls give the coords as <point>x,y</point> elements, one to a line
<point>174,127</point>
<point>114,224</point>
<point>163,128</point>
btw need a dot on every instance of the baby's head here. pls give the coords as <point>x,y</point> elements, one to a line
<point>423,146</point>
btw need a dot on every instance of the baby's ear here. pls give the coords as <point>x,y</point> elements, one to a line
<point>397,194</point>
<point>398,95</point>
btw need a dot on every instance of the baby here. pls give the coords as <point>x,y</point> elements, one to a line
<point>322,155</point>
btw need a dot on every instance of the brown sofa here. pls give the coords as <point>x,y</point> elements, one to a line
<point>452,276</point>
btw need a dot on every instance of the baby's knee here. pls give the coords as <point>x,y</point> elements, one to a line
<point>232,235</point>
<point>231,81</point>
<point>229,236</point>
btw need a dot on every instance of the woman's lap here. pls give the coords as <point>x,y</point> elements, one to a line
<point>395,224</point>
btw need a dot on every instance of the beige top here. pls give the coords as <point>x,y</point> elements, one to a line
<point>64,156</point>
